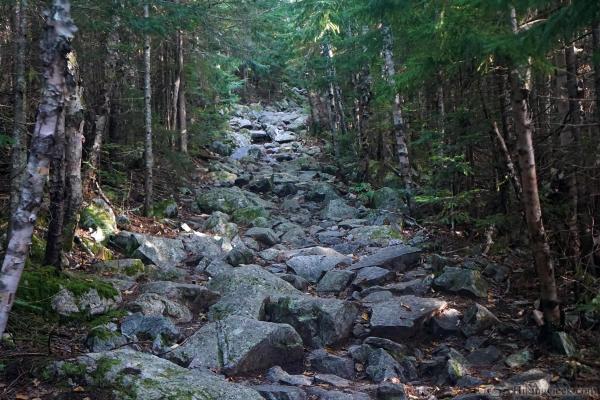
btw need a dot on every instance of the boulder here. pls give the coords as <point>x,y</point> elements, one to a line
<point>334,281</point>
<point>373,235</point>
<point>131,268</point>
<point>229,200</point>
<point>156,304</point>
<point>105,337</point>
<point>382,366</point>
<point>280,392</point>
<point>404,316</point>
<point>338,209</point>
<point>128,374</point>
<point>90,302</point>
<point>388,199</point>
<point>397,258</point>
<point>313,267</point>
<point>244,291</point>
<point>237,345</point>
<point>326,363</point>
<point>276,374</point>
<point>196,297</point>
<point>463,281</point>
<point>446,322</point>
<point>321,192</point>
<point>485,356</point>
<point>296,281</point>
<point>149,327</point>
<point>320,322</point>
<point>264,235</point>
<point>477,319</point>
<point>370,276</point>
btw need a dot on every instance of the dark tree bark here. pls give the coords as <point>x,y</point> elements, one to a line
<point>56,191</point>
<point>55,45</point>
<point>102,116</point>
<point>19,147</point>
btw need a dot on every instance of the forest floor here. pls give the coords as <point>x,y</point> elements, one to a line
<point>273,279</point>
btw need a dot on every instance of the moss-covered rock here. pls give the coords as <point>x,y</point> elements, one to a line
<point>130,267</point>
<point>100,219</point>
<point>388,199</point>
<point>247,215</point>
<point>229,200</point>
<point>132,375</point>
<point>165,209</point>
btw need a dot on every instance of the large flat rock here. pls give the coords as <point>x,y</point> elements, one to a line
<point>398,258</point>
<point>244,290</point>
<point>403,316</point>
<point>313,267</point>
<point>132,375</point>
<point>237,345</point>
<point>319,321</point>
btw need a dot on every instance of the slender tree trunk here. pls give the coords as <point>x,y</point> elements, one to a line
<point>102,117</point>
<point>520,89</point>
<point>398,125</point>
<point>74,124</point>
<point>596,44</point>
<point>363,84</point>
<point>56,191</point>
<point>148,156</point>
<point>569,138</point>
<point>55,45</point>
<point>19,147</point>
<point>181,106</point>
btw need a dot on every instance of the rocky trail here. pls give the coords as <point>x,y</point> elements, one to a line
<point>282,285</point>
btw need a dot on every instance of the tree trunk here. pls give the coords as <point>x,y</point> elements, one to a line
<point>398,126</point>
<point>148,156</point>
<point>596,44</point>
<point>74,143</point>
<point>55,45</point>
<point>103,114</point>
<point>181,106</point>
<point>19,147</point>
<point>56,192</point>
<point>520,89</point>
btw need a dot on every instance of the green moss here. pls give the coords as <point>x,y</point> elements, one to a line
<point>73,369</point>
<point>100,251</point>
<point>160,208</point>
<point>245,216</point>
<point>110,316</point>
<point>98,216</point>
<point>39,284</point>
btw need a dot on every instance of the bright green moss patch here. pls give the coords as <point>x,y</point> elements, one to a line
<point>39,284</point>
<point>245,216</point>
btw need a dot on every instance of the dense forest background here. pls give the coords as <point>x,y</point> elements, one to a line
<point>482,116</point>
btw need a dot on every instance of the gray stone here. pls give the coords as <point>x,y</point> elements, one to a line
<point>90,303</point>
<point>105,337</point>
<point>370,276</point>
<point>285,189</point>
<point>396,350</point>
<point>160,251</point>
<point>129,267</point>
<point>497,272</point>
<point>323,394</point>
<point>335,281</point>
<point>518,359</point>
<point>149,327</point>
<point>446,322</point>
<point>484,356</point>
<point>320,192</point>
<point>462,281</point>
<point>326,363</point>
<point>244,291</point>
<point>477,319</point>
<point>156,304</point>
<point>391,391</point>
<point>338,209</point>
<point>378,297</point>
<point>332,380</point>
<point>135,375</point>
<point>296,281</point>
<point>217,267</point>
<point>229,200</point>
<point>195,297</point>
<point>374,236</point>
<point>280,392</point>
<point>313,267</point>
<point>276,374</point>
<point>418,287</point>
<point>398,258</point>
<point>236,345</point>
<point>403,316</point>
<point>382,366</point>
<point>259,137</point>
<point>264,235</point>
<point>320,322</point>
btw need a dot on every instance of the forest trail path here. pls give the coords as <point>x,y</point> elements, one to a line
<point>283,266</point>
